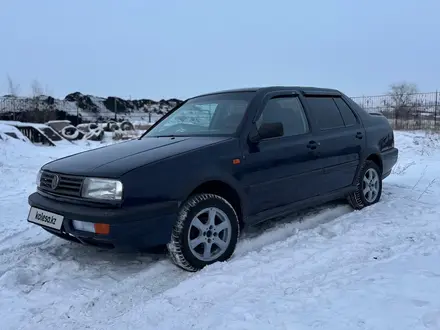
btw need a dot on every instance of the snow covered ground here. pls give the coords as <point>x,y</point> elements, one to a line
<point>324,268</point>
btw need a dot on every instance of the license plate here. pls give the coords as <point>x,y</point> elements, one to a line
<point>45,218</point>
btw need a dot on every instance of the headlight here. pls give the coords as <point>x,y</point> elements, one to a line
<point>38,178</point>
<point>102,189</point>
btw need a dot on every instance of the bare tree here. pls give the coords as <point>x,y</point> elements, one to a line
<point>37,89</point>
<point>402,94</point>
<point>13,89</point>
<point>42,104</point>
<point>403,103</point>
<point>48,91</point>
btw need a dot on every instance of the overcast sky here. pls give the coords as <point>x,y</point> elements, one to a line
<point>163,49</point>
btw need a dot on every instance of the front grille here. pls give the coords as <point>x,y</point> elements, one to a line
<point>68,185</point>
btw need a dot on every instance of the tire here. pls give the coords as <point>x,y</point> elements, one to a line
<point>93,126</point>
<point>360,199</point>
<point>111,126</point>
<point>70,133</point>
<point>126,126</point>
<point>95,135</point>
<point>185,229</point>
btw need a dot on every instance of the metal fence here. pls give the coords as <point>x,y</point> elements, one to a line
<point>36,110</point>
<point>44,109</point>
<point>404,111</point>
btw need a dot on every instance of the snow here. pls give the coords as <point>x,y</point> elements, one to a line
<point>58,122</point>
<point>325,268</point>
<point>8,132</point>
<point>22,124</point>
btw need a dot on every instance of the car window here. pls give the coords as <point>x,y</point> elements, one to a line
<point>287,110</point>
<point>325,112</point>
<point>216,114</point>
<point>54,136</point>
<point>346,112</point>
<point>200,115</point>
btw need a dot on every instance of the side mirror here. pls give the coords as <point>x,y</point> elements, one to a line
<point>266,131</point>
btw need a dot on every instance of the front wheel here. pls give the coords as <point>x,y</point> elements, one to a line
<point>368,186</point>
<point>206,232</point>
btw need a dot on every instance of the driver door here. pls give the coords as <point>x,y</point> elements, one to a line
<point>282,170</point>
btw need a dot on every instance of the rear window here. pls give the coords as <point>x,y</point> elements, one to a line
<point>12,135</point>
<point>51,134</point>
<point>325,112</point>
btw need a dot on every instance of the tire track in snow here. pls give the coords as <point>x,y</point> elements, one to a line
<point>311,266</point>
<point>163,275</point>
<point>255,239</point>
<point>94,280</point>
<point>101,280</point>
<point>10,236</point>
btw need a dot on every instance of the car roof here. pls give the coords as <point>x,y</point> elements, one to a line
<point>267,89</point>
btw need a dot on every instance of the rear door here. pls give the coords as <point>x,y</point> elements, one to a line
<point>279,171</point>
<point>341,137</point>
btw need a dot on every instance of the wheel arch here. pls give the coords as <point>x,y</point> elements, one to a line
<point>225,190</point>
<point>369,155</point>
<point>377,159</point>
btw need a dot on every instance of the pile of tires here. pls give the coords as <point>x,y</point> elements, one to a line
<point>83,127</point>
<point>71,133</point>
<point>126,126</point>
<point>113,126</point>
<point>95,133</point>
<point>93,126</point>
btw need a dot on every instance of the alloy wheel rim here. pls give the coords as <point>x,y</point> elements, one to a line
<point>209,234</point>
<point>370,185</point>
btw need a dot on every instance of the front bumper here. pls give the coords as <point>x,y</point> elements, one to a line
<point>135,227</point>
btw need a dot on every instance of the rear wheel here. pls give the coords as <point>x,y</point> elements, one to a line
<point>206,231</point>
<point>368,186</point>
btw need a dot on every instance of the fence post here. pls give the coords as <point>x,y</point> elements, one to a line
<point>14,108</point>
<point>435,109</point>
<point>116,109</point>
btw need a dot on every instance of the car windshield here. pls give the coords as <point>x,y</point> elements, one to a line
<point>216,114</point>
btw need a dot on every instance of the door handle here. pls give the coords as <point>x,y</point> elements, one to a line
<point>313,145</point>
<point>359,135</point>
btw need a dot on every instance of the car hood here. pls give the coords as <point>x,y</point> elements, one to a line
<point>115,160</point>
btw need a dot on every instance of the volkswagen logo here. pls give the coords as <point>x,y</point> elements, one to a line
<point>55,181</point>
